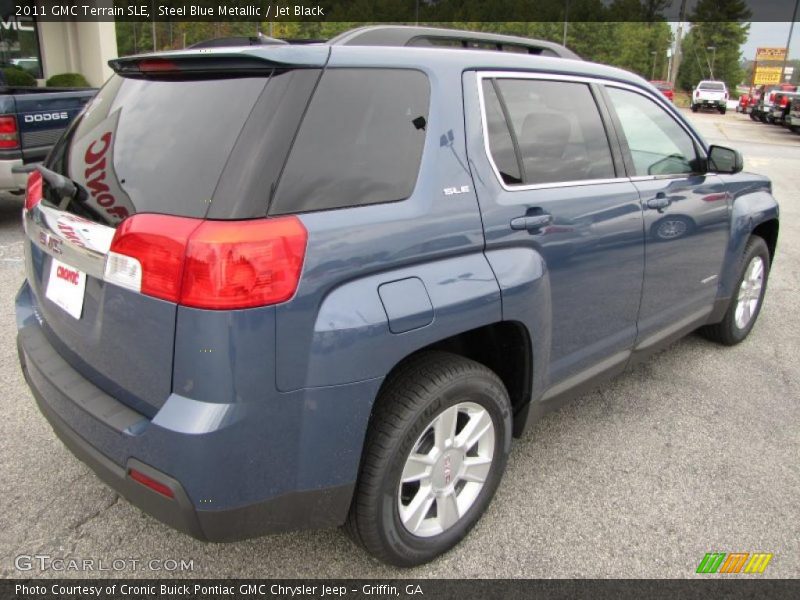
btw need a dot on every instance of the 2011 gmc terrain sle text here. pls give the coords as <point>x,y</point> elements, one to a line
<point>333,281</point>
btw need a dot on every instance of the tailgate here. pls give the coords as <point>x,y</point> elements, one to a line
<point>147,146</point>
<point>120,340</point>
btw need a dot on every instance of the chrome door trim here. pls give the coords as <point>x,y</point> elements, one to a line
<point>494,74</point>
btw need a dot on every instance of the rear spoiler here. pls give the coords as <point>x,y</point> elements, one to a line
<point>234,61</point>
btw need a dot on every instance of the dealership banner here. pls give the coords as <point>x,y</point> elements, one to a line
<point>402,11</point>
<point>405,589</point>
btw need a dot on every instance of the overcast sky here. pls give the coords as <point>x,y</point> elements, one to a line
<point>768,34</point>
<point>772,34</point>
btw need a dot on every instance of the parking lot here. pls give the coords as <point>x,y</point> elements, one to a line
<point>695,451</point>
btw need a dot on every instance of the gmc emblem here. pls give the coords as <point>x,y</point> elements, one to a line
<point>50,242</point>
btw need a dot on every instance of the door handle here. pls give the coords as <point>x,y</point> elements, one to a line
<point>531,222</point>
<point>659,202</point>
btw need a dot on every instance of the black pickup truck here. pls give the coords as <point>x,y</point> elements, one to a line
<point>31,120</point>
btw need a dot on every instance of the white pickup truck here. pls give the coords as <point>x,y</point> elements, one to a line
<point>710,94</point>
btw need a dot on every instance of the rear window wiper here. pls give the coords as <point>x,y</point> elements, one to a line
<point>63,186</point>
<point>69,189</point>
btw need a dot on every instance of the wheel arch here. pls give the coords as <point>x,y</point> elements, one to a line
<point>768,231</point>
<point>505,347</point>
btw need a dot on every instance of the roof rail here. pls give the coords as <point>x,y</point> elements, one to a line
<point>402,35</point>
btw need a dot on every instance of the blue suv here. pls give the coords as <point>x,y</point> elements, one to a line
<point>277,287</point>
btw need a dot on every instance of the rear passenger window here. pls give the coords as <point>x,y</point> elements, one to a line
<point>360,142</point>
<point>557,129</point>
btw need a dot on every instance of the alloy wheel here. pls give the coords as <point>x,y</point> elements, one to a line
<point>749,292</point>
<point>446,469</point>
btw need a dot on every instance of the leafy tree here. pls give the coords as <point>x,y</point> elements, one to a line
<point>714,43</point>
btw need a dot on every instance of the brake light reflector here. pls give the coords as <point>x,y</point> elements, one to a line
<point>156,65</point>
<point>147,254</point>
<point>9,134</point>
<point>33,191</point>
<point>154,485</point>
<point>208,264</point>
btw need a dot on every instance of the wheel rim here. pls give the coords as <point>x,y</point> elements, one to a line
<point>671,229</point>
<point>446,469</point>
<point>749,292</point>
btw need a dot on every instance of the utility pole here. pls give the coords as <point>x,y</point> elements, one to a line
<point>566,20</point>
<point>678,54</point>
<point>789,41</point>
<point>653,72</point>
<point>713,59</point>
<point>153,24</point>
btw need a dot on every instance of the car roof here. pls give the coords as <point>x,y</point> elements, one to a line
<point>425,58</point>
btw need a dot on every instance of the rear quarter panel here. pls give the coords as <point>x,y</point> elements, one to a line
<point>336,330</point>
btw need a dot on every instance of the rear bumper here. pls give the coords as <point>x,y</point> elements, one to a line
<point>111,439</point>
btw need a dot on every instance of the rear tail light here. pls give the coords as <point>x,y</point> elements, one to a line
<point>9,134</point>
<point>33,192</point>
<point>208,264</point>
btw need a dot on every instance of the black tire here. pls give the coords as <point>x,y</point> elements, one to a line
<point>722,111</point>
<point>794,128</point>
<point>753,116</point>
<point>411,399</point>
<point>726,331</point>
<point>694,108</point>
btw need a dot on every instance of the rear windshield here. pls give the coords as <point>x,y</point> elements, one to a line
<point>225,148</point>
<point>662,85</point>
<point>161,146</point>
<point>716,87</point>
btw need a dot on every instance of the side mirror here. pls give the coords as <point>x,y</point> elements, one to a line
<point>724,160</point>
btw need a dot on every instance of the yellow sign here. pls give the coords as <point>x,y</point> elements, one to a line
<point>767,76</point>
<point>763,54</point>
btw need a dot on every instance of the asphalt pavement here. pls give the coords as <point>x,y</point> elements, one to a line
<point>697,450</point>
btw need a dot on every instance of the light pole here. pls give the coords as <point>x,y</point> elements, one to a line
<point>566,20</point>
<point>789,41</point>
<point>653,72</point>
<point>713,58</point>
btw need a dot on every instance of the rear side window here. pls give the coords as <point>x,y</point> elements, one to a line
<point>501,143</point>
<point>557,129</point>
<point>360,142</point>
